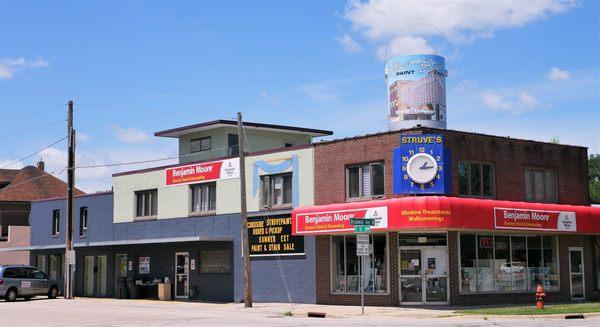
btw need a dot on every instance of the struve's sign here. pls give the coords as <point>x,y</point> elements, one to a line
<point>271,236</point>
<point>338,221</point>
<point>203,172</point>
<point>506,218</point>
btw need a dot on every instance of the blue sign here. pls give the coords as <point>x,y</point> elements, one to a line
<point>422,165</point>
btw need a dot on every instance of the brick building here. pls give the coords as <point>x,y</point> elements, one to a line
<point>509,214</point>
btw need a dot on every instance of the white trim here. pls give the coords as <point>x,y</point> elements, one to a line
<point>187,254</point>
<point>155,240</point>
<point>582,273</point>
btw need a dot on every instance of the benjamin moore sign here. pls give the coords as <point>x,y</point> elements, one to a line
<point>203,172</point>
<point>562,221</point>
<point>271,236</point>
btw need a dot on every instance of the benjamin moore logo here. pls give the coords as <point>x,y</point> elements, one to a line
<point>567,221</point>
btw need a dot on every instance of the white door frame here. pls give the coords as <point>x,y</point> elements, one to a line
<point>117,269</point>
<point>187,272</point>
<point>582,273</point>
<point>423,275</point>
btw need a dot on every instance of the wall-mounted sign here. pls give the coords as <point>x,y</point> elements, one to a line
<point>203,172</point>
<point>193,264</point>
<point>271,236</point>
<point>144,267</point>
<point>130,265</point>
<point>563,221</point>
<point>339,221</point>
<point>416,91</point>
<point>421,165</point>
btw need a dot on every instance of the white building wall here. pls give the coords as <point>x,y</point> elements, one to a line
<point>174,201</point>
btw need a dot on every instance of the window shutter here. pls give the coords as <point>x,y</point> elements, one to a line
<point>366,181</point>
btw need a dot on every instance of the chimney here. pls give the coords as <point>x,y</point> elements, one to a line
<point>41,165</point>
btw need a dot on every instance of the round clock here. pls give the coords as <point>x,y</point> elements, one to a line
<point>422,168</point>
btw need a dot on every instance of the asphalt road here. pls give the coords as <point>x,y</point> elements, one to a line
<point>110,312</point>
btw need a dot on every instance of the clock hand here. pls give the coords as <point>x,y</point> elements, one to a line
<point>425,166</point>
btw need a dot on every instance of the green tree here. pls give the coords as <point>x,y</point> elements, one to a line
<point>594,168</point>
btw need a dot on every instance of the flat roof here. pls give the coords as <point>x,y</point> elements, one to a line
<point>176,132</point>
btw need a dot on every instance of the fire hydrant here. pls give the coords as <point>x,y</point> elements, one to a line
<point>539,297</point>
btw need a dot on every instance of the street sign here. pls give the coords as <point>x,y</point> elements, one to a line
<point>362,245</point>
<point>362,221</point>
<point>71,257</point>
<point>362,228</point>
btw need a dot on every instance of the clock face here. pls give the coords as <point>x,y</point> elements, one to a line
<point>422,168</point>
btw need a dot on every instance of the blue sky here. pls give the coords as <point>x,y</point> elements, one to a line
<point>521,69</point>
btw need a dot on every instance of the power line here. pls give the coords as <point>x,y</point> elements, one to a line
<point>31,155</point>
<point>57,172</point>
<point>152,111</point>
<point>31,113</point>
<point>33,129</point>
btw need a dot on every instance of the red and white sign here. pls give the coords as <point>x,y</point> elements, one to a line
<point>339,221</point>
<point>507,218</point>
<point>203,172</point>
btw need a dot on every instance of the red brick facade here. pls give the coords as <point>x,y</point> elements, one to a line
<point>510,157</point>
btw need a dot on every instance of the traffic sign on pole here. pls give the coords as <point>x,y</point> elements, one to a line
<point>362,221</point>
<point>362,228</point>
<point>362,245</point>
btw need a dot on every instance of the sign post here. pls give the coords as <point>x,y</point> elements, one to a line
<point>362,250</point>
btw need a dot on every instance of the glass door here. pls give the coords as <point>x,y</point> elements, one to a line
<point>424,275</point>
<point>88,276</point>
<point>576,273</point>
<point>411,276</point>
<point>182,274</point>
<point>102,276</point>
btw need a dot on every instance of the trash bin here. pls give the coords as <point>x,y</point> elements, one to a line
<point>133,289</point>
<point>122,288</point>
<point>164,291</point>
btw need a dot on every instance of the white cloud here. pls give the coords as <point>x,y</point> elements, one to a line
<point>130,135</point>
<point>324,91</point>
<point>269,98</point>
<point>349,44</point>
<point>4,164</point>
<point>556,74</point>
<point>82,137</point>
<point>515,103</point>
<point>494,100</point>
<point>410,26</point>
<point>10,66</point>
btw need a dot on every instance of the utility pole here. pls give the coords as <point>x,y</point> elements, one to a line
<point>244,209</point>
<point>69,251</point>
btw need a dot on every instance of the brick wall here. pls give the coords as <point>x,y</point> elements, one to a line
<point>509,156</point>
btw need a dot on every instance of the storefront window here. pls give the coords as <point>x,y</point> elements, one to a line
<point>468,260</point>
<point>506,263</point>
<point>345,267</point>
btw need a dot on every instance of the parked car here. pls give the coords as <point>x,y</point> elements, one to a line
<point>20,281</point>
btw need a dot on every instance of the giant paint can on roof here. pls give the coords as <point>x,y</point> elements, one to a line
<point>416,91</point>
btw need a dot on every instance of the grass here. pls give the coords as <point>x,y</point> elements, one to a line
<point>288,314</point>
<point>531,310</point>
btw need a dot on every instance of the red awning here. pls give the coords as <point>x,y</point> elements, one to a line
<point>441,212</point>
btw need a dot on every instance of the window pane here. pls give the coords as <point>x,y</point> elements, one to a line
<point>140,205</point>
<point>287,189</point>
<point>212,200</point>
<point>550,271</point>
<point>154,202</point>
<point>503,265</point>
<point>519,261</point>
<point>468,277</point>
<point>529,185</point>
<point>550,186</point>
<point>539,186</point>
<point>475,179</point>
<point>485,272</point>
<point>366,181</point>
<point>534,261</point>
<point>352,280</point>
<point>488,180</point>
<point>380,263</point>
<point>205,144</point>
<point>195,198</point>
<point>265,190</point>
<point>377,179</point>
<point>195,145</point>
<point>277,190</point>
<point>463,170</point>
<point>337,264</point>
<point>353,182</point>
<point>214,262</point>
